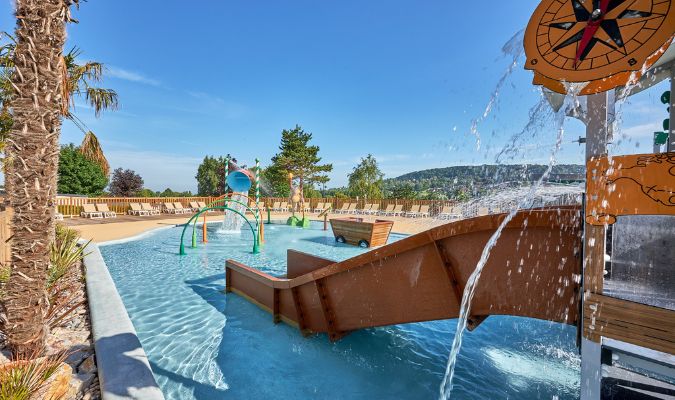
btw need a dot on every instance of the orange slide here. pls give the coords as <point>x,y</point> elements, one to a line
<point>533,271</point>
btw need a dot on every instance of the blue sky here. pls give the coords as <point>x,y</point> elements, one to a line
<point>399,79</point>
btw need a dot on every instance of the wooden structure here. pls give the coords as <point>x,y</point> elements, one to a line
<point>533,272</point>
<point>357,232</point>
<point>642,184</point>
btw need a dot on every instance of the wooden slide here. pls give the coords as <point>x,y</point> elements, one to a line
<point>533,271</point>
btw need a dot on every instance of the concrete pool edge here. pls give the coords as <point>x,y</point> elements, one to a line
<point>123,368</point>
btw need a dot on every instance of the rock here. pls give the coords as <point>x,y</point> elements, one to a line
<point>88,366</point>
<point>5,356</point>
<point>57,386</point>
<point>81,382</point>
<point>78,355</point>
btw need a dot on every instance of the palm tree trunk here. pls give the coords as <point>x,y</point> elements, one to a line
<point>35,149</point>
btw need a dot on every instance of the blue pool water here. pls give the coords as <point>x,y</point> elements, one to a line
<point>203,344</point>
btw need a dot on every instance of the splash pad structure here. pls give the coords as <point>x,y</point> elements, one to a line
<point>607,50</point>
<point>234,208</point>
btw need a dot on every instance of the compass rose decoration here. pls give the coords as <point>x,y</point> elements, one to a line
<point>602,42</point>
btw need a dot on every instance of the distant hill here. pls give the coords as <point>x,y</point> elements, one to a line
<point>466,181</point>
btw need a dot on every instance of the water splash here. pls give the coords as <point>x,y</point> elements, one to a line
<point>232,222</point>
<point>470,288</point>
<point>513,48</point>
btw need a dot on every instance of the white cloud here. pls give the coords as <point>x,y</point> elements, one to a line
<point>131,76</point>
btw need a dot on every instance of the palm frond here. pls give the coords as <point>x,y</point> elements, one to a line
<point>91,149</point>
<point>102,99</point>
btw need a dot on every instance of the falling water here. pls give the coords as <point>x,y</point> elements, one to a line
<point>232,222</point>
<point>469,290</point>
<point>513,48</point>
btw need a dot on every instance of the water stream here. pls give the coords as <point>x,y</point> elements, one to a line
<point>232,222</point>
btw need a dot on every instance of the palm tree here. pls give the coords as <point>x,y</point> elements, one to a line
<point>78,81</point>
<point>37,107</point>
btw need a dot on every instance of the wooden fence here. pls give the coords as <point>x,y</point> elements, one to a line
<point>72,205</point>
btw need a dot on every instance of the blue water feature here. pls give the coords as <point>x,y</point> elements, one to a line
<point>203,344</point>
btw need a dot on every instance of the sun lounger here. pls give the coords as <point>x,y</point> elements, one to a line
<point>150,209</point>
<point>343,209</point>
<point>364,210</point>
<point>106,211</point>
<point>454,213</point>
<point>387,210</point>
<point>414,210</point>
<point>483,211</point>
<point>276,206</point>
<point>374,209</point>
<point>202,205</point>
<point>179,208</point>
<point>423,212</point>
<point>136,209</point>
<point>58,216</point>
<point>169,208</point>
<point>194,206</point>
<point>89,211</point>
<point>284,207</point>
<point>319,208</point>
<point>398,210</point>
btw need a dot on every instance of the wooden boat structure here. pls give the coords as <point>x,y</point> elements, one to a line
<point>533,271</point>
<point>361,233</point>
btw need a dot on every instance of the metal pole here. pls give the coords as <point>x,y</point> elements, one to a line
<point>227,172</point>
<point>597,130</point>
<point>671,130</point>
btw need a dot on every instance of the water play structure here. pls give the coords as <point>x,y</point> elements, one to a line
<point>551,263</point>
<point>234,205</point>
<point>421,278</point>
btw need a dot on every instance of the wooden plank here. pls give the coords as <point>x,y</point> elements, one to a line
<point>276,315</point>
<point>331,321</point>
<point>631,322</point>
<point>594,257</point>
<point>447,265</point>
<point>299,312</point>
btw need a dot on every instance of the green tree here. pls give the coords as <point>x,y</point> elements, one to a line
<point>211,175</point>
<point>145,192</point>
<point>402,191</point>
<point>296,156</point>
<point>79,175</point>
<point>366,180</point>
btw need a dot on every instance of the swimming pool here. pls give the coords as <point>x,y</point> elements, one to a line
<point>203,344</point>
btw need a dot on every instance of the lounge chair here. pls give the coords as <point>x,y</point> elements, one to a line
<point>398,210</point>
<point>365,209</point>
<point>202,205</point>
<point>423,212</point>
<point>276,206</point>
<point>150,209</point>
<point>414,210</point>
<point>89,211</point>
<point>386,211</point>
<point>454,213</point>
<point>179,208</point>
<point>319,208</point>
<point>194,206</point>
<point>483,211</point>
<point>169,208</point>
<point>58,216</point>
<point>136,209</point>
<point>283,207</point>
<point>374,209</point>
<point>106,211</point>
<point>344,208</point>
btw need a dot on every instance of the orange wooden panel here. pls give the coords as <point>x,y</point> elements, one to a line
<point>639,184</point>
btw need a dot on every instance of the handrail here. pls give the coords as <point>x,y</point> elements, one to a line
<point>256,248</point>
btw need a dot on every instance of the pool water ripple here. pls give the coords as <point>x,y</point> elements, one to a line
<point>203,344</point>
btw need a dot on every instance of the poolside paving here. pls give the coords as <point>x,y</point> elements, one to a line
<point>124,226</point>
